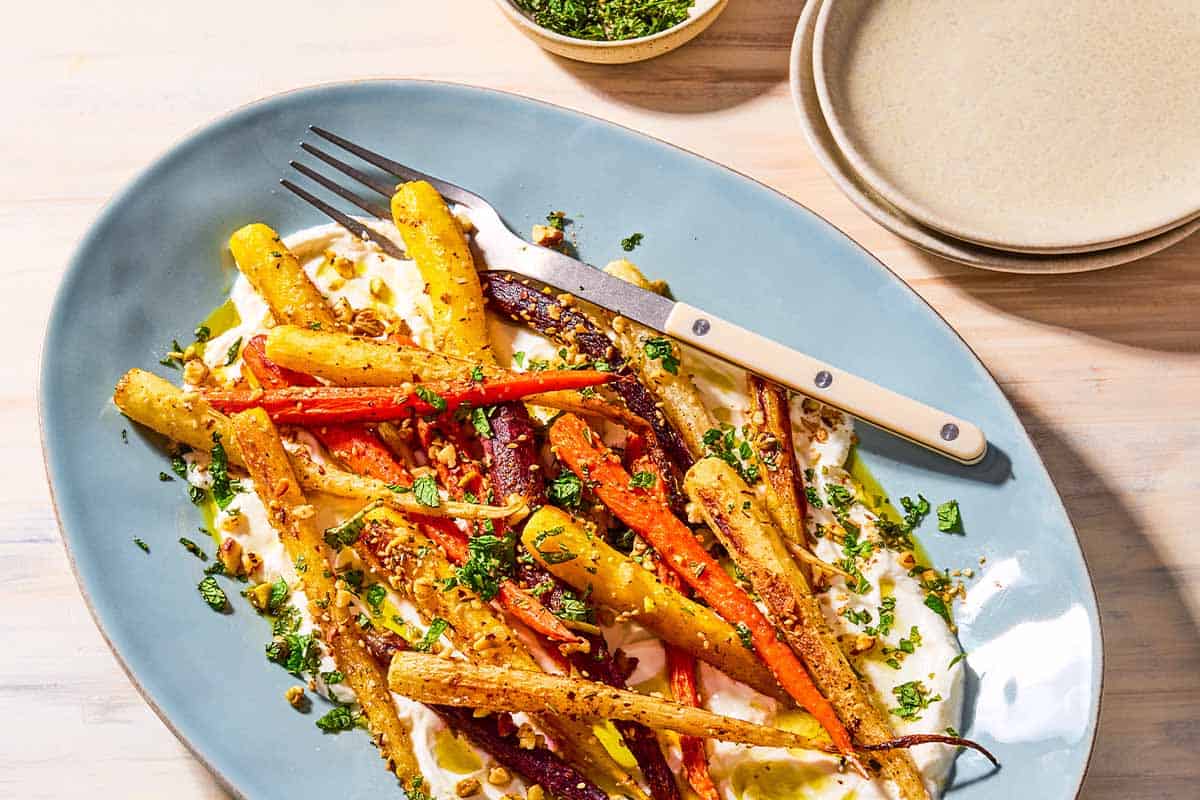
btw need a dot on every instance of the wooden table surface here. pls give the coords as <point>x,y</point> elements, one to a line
<point>1103,368</point>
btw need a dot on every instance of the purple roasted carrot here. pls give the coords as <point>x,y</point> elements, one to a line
<point>539,765</point>
<point>552,317</point>
<point>513,456</point>
<point>512,452</point>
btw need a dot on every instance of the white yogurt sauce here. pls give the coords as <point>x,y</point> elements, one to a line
<point>740,772</point>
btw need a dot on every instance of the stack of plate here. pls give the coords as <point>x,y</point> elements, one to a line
<point>1018,135</point>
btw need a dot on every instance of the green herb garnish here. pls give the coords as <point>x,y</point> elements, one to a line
<point>743,632</point>
<point>437,627</point>
<point>375,596</point>
<point>914,698</point>
<point>337,720</point>
<point>426,491</point>
<point>662,349</point>
<point>223,488</point>
<point>606,20</point>
<point>641,480</point>
<point>937,604</point>
<point>490,559</point>
<point>435,400</point>
<point>914,512</point>
<point>232,353</point>
<point>631,241</point>
<point>144,547</point>
<point>213,594</point>
<point>278,595</point>
<point>565,491</point>
<point>725,444</point>
<point>193,548</point>
<point>949,518</point>
<point>346,534</point>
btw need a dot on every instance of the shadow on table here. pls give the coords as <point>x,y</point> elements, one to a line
<point>1152,304</point>
<point>1149,731</point>
<point>742,55</point>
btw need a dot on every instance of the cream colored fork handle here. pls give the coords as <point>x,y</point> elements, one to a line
<point>903,416</point>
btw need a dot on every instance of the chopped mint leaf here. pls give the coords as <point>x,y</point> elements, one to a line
<point>232,353</point>
<point>435,400</point>
<point>641,480</point>
<point>949,518</point>
<point>437,626</point>
<point>565,491</point>
<point>662,349</point>
<point>213,594</point>
<point>337,720</point>
<point>193,548</point>
<point>426,491</point>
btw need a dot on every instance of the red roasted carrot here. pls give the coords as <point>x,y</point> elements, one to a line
<point>583,451</point>
<point>353,445</point>
<point>316,405</point>
<point>269,374</point>
<point>362,452</point>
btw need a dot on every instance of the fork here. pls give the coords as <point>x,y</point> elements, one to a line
<point>903,416</point>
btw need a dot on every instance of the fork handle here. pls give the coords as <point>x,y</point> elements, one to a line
<point>903,416</point>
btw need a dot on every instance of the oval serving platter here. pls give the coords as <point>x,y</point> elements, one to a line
<point>156,262</point>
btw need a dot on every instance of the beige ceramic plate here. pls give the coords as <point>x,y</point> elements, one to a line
<point>702,14</point>
<point>1025,125</point>
<point>804,94</point>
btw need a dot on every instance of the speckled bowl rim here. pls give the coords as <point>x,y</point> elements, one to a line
<point>832,160</point>
<point>922,214</point>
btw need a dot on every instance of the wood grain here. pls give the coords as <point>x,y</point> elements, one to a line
<point>1104,368</point>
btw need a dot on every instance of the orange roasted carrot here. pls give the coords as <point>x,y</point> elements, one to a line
<point>681,665</point>
<point>581,449</point>
<point>316,405</point>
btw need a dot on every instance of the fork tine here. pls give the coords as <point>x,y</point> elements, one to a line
<point>445,188</point>
<point>382,187</point>
<point>342,192</point>
<point>349,223</point>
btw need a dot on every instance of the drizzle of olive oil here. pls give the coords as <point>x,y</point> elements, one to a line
<point>614,744</point>
<point>455,755</point>
<point>777,780</point>
<point>653,684</point>
<point>208,512</point>
<point>801,723</point>
<point>876,498</point>
<point>222,318</point>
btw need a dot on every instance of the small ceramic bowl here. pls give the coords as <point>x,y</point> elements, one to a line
<point>702,14</point>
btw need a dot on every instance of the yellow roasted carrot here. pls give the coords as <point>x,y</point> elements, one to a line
<point>435,240</point>
<point>348,360</point>
<point>276,274</point>
<point>435,680</point>
<point>613,579</point>
<point>292,517</point>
